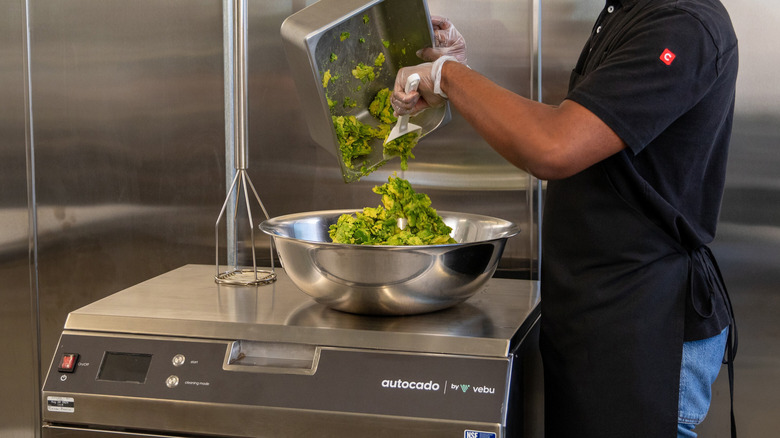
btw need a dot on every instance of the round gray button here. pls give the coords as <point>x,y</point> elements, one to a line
<point>172,381</point>
<point>178,360</point>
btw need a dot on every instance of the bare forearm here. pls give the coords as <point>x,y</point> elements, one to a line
<point>549,142</point>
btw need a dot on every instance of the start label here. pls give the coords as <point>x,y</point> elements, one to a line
<point>60,404</point>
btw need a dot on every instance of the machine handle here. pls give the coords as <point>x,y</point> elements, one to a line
<point>272,357</point>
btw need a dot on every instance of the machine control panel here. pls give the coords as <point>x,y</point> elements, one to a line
<point>333,379</point>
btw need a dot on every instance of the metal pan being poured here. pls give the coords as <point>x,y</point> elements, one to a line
<point>342,54</point>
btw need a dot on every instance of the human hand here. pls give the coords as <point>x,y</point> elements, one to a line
<point>448,42</point>
<point>415,101</point>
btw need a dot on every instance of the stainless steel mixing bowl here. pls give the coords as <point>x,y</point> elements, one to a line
<point>388,280</point>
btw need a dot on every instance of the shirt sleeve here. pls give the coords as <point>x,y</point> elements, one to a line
<point>652,74</point>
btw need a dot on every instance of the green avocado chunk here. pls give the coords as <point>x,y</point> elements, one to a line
<point>379,225</point>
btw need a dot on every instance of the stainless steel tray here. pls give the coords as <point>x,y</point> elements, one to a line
<point>394,28</point>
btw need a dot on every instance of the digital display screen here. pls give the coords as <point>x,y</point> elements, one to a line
<point>124,367</point>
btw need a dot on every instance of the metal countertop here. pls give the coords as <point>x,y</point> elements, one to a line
<point>186,302</point>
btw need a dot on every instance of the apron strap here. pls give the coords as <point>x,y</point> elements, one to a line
<point>716,283</point>
<point>731,343</point>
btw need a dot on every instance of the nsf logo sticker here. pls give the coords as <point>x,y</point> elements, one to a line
<point>476,434</point>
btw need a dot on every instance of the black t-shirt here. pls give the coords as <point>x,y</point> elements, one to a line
<point>663,79</point>
<point>662,74</point>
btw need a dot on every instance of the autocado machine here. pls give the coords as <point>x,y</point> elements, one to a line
<point>337,341</point>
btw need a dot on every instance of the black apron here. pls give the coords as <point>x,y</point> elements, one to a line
<point>617,287</point>
<point>613,307</point>
<point>617,292</point>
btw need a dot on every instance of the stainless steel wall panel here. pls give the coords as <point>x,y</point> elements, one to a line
<point>129,141</point>
<point>18,412</point>
<point>13,162</point>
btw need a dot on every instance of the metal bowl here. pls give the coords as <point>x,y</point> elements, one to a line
<point>388,280</point>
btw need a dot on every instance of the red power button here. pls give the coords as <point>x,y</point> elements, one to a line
<point>68,362</point>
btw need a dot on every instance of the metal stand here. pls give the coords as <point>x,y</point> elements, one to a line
<point>241,181</point>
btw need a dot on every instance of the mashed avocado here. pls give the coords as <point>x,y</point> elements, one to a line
<point>380,107</point>
<point>364,72</point>
<point>326,78</point>
<point>402,147</point>
<point>353,137</point>
<point>349,102</point>
<point>379,60</point>
<point>378,226</point>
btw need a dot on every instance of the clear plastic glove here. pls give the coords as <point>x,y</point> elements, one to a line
<point>416,101</point>
<point>448,41</point>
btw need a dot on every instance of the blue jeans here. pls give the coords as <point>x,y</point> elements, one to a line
<point>701,362</point>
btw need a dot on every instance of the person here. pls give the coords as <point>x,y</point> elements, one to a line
<point>635,314</point>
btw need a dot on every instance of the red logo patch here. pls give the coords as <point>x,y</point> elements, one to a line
<point>667,57</point>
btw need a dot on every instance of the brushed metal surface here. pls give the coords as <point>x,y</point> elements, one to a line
<point>181,307</point>
<point>19,414</point>
<point>345,381</point>
<point>383,279</point>
<point>213,420</point>
<point>49,431</point>
<point>186,302</point>
<point>129,144</point>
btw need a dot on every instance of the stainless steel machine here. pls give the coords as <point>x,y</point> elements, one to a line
<point>182,356</point>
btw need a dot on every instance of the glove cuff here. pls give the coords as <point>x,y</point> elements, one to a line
<point>436,73</point>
